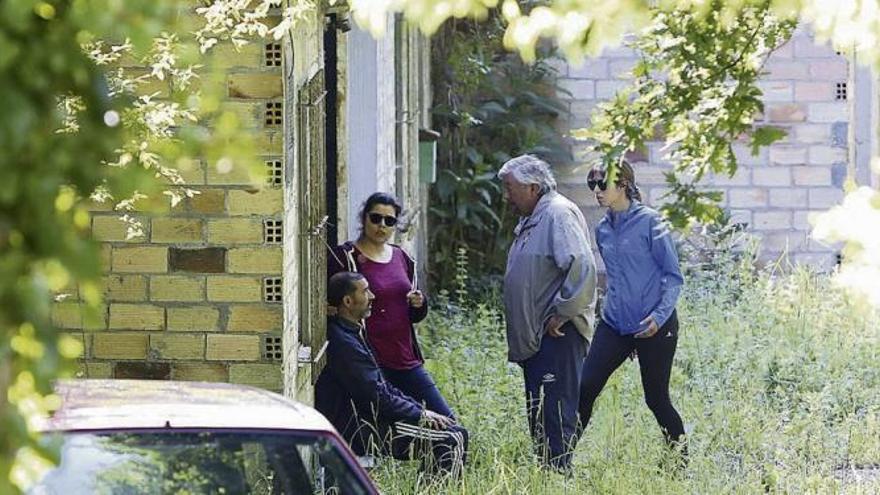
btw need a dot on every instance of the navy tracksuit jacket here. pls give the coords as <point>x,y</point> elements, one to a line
<point>351,389</point>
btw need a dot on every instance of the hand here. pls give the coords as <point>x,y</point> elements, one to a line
<point>415,299</point>
<point>331,310</point>
<point>650,331</point>
<point>436,420</point>
<point>553,327</point>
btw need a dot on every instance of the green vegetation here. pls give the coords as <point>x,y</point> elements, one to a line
<point>77,129</point>
<point>776,378</point>
<point>58,129</point>
<point>696,90</point>
<point>489,106</point>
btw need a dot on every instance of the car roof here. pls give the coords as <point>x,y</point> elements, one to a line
<point>129,404</point>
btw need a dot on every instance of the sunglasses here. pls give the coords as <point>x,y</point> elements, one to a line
<point>378,218</point>
<point>601,184</point>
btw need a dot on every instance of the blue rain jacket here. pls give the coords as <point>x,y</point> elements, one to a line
<point>641,266</point>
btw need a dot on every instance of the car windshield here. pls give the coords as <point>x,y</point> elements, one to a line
<point>155,462</point>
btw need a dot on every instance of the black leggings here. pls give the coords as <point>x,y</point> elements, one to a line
<point>609,350</point>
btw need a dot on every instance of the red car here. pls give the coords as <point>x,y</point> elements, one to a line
<point>160,437</point>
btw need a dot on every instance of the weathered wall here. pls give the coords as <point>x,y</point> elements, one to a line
<point>371,111</point>
<point>198,297</point>
<point>805,92</point>
<point>385,105</point>
<point>228,286</point>
<point>303,201</point>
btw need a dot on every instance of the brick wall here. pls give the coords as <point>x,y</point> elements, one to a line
<point>304,201</point>
<point>199,296</point>
<point>775,192</point>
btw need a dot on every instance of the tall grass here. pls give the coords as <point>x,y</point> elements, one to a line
<point>777,379</point>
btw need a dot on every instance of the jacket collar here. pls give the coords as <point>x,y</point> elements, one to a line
<point>530,221</point>
<point>345,324</point>
<point>616,218</point>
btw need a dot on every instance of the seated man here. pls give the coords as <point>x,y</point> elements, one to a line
<point>370,413</point>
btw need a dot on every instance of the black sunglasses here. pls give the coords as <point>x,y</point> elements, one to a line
<point>593,183</point>
<point>378,218</point>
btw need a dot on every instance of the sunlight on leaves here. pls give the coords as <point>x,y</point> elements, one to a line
<point>855,222</point>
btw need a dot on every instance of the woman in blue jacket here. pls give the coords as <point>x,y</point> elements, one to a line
<point>638,314</point>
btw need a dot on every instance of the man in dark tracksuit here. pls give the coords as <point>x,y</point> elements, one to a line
<point>549,299</point>
<point>371,414</point>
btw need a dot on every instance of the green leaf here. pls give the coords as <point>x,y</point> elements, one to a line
<point>765,136</point>
<point>474,156</point>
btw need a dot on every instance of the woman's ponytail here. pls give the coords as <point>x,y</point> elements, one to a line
<point>629,178</point>
<point>633,192</point>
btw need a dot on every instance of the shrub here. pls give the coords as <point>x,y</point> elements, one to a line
<point>489,106</point>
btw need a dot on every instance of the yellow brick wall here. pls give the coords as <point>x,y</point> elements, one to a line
<point>186,301</point>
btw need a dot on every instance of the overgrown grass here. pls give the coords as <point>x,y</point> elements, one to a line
<point>777,379</point>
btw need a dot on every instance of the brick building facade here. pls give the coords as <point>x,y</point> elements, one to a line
<point>229,285</point>
<point>198,296</point>
<point>811,91</point>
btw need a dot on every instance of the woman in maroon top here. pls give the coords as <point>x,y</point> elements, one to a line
<point>398,304</point>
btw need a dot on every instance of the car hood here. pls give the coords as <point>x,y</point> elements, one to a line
<point>132,404</point>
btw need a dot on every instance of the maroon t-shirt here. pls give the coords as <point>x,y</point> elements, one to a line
<point>389,330</point>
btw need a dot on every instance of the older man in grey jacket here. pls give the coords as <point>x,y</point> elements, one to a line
<point>549,301</point>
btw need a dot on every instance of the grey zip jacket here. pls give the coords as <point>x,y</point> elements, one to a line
<point>550,271</point>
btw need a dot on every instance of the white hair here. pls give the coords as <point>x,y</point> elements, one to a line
<point>529,169</point>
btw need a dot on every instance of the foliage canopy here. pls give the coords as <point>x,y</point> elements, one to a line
<point>78,128</point>
<point>46,168</point>
<point>695,88</point>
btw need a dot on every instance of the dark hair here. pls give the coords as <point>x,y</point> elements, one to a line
<point>379,198</point>
<point>626,177</point>
<point>340,285</point>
